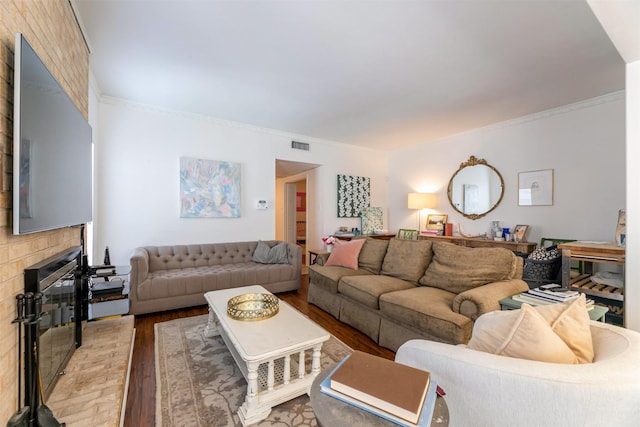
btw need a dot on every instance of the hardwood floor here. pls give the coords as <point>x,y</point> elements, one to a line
<point>141,402</point>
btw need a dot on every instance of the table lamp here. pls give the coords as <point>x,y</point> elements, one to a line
<point>421,201</point>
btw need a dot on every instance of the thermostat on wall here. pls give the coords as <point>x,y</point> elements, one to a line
<point>262,204</point>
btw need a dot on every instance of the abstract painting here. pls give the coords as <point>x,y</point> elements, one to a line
<point>209,188</point>
<point>353,195</point>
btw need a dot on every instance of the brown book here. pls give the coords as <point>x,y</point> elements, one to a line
<point>395,388</point>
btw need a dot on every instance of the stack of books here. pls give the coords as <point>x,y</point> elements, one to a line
<point>102,270</point>
<point>401,394</point>
<point>549,294</point>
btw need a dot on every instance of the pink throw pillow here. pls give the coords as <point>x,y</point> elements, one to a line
<point>345,254</point>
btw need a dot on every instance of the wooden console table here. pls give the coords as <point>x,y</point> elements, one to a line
<point>386,236</point>
<point>476,242</point>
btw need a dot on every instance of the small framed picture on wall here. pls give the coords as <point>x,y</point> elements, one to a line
<point>535,188</point>
<point>301,202</point>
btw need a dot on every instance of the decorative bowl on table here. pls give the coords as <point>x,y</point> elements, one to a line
<point>380,232</point>
<point>250,307</point>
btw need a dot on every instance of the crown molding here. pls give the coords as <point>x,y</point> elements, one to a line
<point>580,105</point>
<point>565,109</point>
<point>224,122</point>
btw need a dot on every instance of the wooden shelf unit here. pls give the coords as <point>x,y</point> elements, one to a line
<point>584,284</point>
<point>591,253</point>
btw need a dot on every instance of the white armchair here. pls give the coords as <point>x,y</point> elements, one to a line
<point>488,390</point>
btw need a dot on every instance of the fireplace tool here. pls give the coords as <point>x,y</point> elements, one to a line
<point>43,415</point>
<point>20,418</point>
<point>35,414</point>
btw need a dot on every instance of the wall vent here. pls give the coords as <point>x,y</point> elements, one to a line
<point>299,145</point>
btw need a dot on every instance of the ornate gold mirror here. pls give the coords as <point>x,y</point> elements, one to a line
<point>476,188</point>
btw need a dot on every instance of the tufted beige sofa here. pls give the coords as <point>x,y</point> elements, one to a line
<point>170,277</point>
<point>406,289</point>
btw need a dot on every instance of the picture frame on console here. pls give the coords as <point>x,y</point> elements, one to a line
<point>520,233</point>
<point>435,223</point>
<point>407,234</point>
<point>621,228</point>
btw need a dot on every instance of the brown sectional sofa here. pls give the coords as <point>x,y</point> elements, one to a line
<point>406,289</point>
<point>170,277</point>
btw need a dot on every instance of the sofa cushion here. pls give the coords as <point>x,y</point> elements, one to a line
<point>427,309</point>
<point>406,259</point>
<point>456,268</point>
<point>372,254</point>
<point>328,277</point>
<point>522,334</point>
<point>264,254</point>
<point>367,289</point>
<point>345,254</point>
<point>189,281</point>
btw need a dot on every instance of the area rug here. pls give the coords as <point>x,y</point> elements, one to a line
<point>199,384</point>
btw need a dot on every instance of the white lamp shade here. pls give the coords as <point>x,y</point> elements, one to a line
<point>421,201</point>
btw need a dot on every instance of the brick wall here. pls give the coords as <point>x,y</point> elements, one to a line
<point>51,28</point>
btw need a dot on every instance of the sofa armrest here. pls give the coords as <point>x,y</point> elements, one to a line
<point>483,299</point>
<point>295,258</point>
<point>593,394</point>
<point>322,258</point>
<point>139,266</point>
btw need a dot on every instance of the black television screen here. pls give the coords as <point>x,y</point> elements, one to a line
<point>52,152</point>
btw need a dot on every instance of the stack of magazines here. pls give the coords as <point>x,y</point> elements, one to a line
<point>549,294</point>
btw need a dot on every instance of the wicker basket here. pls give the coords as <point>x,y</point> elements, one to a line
<point>541,272</point>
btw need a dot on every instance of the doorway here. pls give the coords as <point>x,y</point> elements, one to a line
<point>292,194</point>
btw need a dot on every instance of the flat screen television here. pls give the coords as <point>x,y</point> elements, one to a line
<point>52,152</point>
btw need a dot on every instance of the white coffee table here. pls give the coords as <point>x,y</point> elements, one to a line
<point>270,352</point>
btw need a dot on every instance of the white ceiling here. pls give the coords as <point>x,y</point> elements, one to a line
<point>383,74</point>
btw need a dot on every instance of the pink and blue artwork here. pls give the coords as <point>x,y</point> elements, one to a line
<point>209,188</point>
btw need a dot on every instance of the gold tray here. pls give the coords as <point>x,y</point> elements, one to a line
<point>249,307</point>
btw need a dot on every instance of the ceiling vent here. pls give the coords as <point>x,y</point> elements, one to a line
<point>299,145</point>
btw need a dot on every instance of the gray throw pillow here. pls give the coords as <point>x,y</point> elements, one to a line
<point>279,254</point>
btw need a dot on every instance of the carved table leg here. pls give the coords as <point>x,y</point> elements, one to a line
<point>251,412</point>
<point>213,325</point>
<point>315,360</point>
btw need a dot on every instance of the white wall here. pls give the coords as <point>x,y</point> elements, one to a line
<point>138,150</point>
<point>632,290</point>
<point>583,143</point>
<point>138,186</point>
<point>94,96</point>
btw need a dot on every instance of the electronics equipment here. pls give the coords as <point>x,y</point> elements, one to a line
<point>52,153</point>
